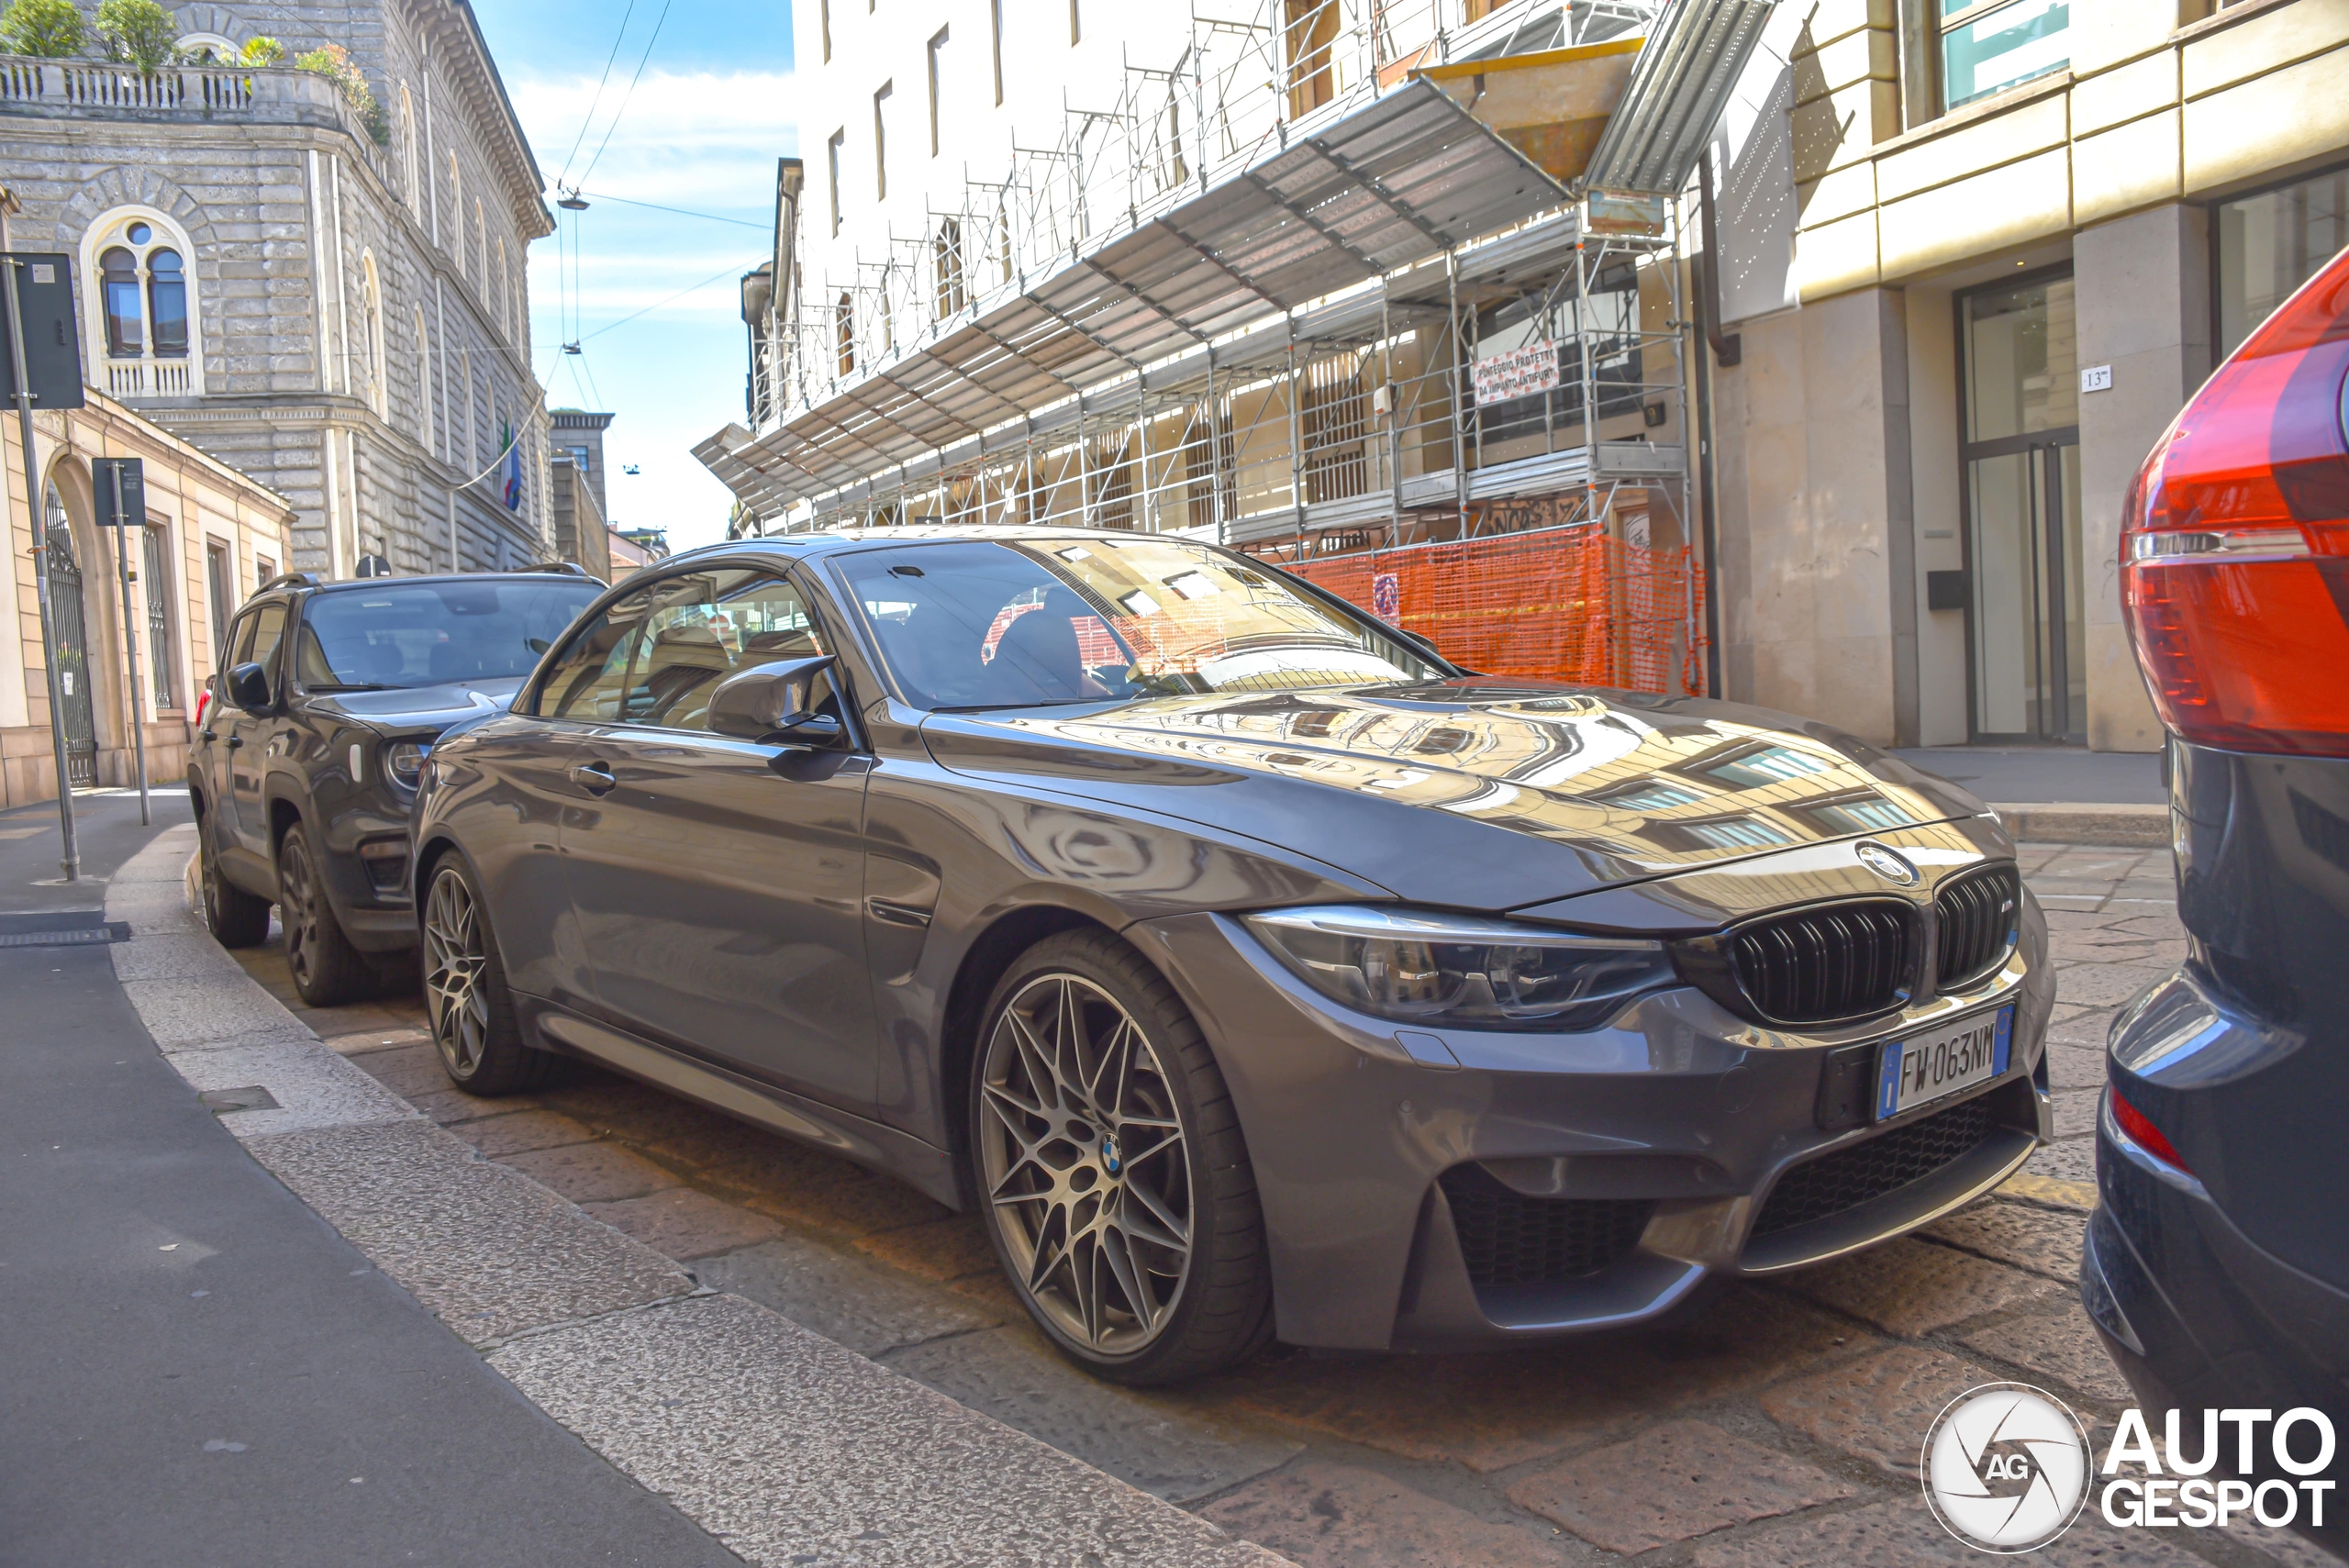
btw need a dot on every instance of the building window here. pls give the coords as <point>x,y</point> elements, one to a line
<point>423,381</point>
<point>220,588</point>
<point>371,307</point>
<point>881,141</point>
<point>936,47</point>
<point>145,329</point>
<point>1989,46</point>
<point>946,255</point>
<point>824,26</point>
<point>1075,24</point>
<point>2270,243</point>
<point>125,338</point>
<point>844,334</point>
<point>264,570</point>
<point>832,154</point>
<point>456,205</point>
<point>156,568</point>
<point>407,144</point>
<point>994,36</point>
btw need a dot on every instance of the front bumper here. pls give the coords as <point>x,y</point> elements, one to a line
<point>1651,1149</point>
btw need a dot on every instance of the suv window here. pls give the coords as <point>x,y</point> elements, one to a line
<point>654,656</point>
<point>257,644</point>
<point>414,634</point>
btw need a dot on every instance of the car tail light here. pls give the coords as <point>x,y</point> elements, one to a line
<point>2143,1132</point>
<point>2234,545</point>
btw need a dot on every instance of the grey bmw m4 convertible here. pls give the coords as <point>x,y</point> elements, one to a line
<point>1251,970</point>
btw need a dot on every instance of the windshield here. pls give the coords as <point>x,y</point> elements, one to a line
<point>1023,622</point>
<point>424,633</point>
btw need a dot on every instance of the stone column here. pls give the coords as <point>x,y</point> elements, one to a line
<point>2143,287</point>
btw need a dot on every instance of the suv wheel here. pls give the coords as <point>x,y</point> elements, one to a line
<point>236,918</point>
<point>328,971</point>
<point>1117,1186</point>
<point>471,1012</point>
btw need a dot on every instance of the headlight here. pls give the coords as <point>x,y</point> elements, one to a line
<point>1421,967</point>
<point>404,759</point>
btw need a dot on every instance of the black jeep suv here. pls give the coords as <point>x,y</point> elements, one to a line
<point>311,739</point>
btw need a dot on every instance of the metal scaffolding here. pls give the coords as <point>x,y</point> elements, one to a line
<point>1287,292</point>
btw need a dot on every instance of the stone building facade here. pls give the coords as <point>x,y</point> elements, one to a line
<point>211,536</point>
<point>356,314</point>
<point>1977,258</point>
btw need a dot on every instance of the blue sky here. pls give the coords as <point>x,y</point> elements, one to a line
<point>701,130</point>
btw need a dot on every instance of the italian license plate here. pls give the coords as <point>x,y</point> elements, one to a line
<point>1923,1068</point>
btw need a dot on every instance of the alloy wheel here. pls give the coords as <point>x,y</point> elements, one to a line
<point>297,896</point>
<point>1083,1154</point>
<point>454,958</point>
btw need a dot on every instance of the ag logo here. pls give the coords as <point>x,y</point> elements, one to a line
<point>1889,865</point>
<point>2006,1468</point>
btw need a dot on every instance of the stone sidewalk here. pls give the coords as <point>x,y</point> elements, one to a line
<point>1780,1425</point>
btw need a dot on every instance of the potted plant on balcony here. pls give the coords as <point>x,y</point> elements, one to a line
<point>138,33</point>
<point>334,62</point>
<point>47,29</point>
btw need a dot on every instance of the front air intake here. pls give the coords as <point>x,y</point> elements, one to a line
<point>1508,1236</point>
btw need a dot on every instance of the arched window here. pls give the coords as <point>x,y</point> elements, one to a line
<point>207,49</point>
<point>126,333</point>
<point>946,258</point>
<point>505,291</point>
<point>370,306</point>
<point>145,333</point>
<point>409,146</point>
<point>167,302</point>
<point>423,381</point>
<point>481,248</point>
<point>844,333</point>
<point>456,206</point>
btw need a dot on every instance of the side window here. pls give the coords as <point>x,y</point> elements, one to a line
<point>268,630</point>
<point>240,641</point>
<point>590,673</point>
<point>657,655</point>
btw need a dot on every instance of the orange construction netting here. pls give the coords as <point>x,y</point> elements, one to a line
<point>1578,607</point>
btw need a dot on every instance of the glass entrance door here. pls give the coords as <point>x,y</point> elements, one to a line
<point>2025,636</point>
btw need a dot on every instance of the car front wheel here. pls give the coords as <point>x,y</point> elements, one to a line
<point>471,1013</point>
<point>1111,1167</point>
<point>328,971</point>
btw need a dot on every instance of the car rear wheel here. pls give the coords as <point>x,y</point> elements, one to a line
<point>328,971</point>
<point>1111,1167</point>
<point>236,918</point>
<point>471,1012</point>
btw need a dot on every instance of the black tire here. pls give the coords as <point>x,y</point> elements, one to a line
<point>236,918</point>
<point>465,995</point>
<point>328,971</point>
<point>1065,1198</point>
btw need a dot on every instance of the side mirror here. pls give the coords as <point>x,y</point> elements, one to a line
<point>249,687</point>
<point>773,704</point>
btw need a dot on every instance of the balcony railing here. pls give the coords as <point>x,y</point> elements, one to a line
<point>149,378</point>
<point>229,94</point>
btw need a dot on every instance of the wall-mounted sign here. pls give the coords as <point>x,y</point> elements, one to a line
<point>2096,378</point>
<point>1517,372</point>
<point>52,334</point>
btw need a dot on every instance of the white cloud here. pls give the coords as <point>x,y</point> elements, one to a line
<point>706,141</point>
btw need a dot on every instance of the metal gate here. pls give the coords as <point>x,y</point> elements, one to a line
<point>73,659</point>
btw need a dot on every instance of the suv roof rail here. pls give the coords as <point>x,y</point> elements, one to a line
<point>567,568</point>
<point>291,580</point>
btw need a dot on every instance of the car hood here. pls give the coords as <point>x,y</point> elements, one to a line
<point>434,707</point>
<point>1474,793</point>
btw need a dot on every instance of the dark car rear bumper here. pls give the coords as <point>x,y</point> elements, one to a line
<point>2199,1318</point>
<point>1541,1185</point>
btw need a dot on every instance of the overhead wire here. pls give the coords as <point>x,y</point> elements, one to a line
<point>590,117</point>
<point>641,62</point>
<point>681,212</point>
<point>736,267</point>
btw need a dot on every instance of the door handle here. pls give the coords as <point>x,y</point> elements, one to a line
<point>593,777</point>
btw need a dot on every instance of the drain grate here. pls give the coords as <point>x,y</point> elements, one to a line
<point>66,935</point>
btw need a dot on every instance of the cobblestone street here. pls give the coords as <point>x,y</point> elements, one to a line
<point>1780,1425</point>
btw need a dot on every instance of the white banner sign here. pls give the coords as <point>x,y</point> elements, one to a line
<point>1520,373</point>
